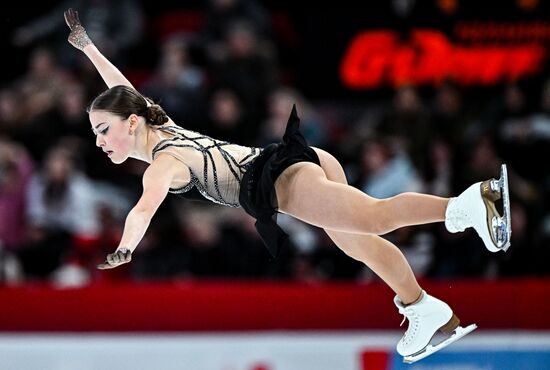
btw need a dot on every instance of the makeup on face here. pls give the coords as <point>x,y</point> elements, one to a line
<point>112,135</point>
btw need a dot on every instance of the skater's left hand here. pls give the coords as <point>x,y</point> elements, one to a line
<point>78,36</point>
<point>119,257</point>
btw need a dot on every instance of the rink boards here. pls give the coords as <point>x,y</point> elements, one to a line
<point>366,350</point>
<point>211,325</point>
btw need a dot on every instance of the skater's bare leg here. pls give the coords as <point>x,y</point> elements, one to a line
<point>321,197</point>
<point>305,192</point>
<point>384,258</point>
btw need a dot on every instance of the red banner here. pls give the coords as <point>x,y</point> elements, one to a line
<point>230,306</point>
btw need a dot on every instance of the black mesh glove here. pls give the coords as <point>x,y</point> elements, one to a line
<point>78,36</point>
<point>121,256</point>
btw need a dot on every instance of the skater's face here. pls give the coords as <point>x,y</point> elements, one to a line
<point>114,135</point>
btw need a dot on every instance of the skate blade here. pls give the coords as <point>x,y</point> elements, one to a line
<point>431,349</point>
<point>506,205</point>
<point>500,228</point>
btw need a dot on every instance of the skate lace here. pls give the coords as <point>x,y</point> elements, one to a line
<point>414,323</point>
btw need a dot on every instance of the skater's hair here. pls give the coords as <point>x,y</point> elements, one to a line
<point>124,101</point>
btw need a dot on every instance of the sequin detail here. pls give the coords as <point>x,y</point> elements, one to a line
<point>223,163</point>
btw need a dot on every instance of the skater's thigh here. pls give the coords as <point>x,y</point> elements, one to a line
<point>331,167</point>
<point>303,180</point>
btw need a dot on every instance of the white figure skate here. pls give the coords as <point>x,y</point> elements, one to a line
<point>426,317</point>
<point>475,207</point>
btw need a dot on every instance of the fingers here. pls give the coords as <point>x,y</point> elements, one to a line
<point>113,258</point>
<point>76,18</point>
<point>66,20</point>
<point>121,256</point>
<point>105,266</point>
<point>71,18</point>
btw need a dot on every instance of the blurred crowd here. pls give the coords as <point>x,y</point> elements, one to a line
<point>63,203</point>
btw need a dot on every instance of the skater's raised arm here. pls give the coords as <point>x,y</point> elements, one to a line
<point>80,40</point>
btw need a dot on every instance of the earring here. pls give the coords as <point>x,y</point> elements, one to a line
<point>131,132</point>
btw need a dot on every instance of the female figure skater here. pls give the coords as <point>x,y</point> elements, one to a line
<point>288,177</point>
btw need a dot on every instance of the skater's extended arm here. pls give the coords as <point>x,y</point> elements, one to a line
<point>80,40</point>
<point>156,183</point>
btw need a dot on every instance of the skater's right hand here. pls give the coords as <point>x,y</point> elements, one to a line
<point>119,257</point>
<point>78,36</point>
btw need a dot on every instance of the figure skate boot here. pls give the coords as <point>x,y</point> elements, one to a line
<point>475,207</point>
<point>426,317</point>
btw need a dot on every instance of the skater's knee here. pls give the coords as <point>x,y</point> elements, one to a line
<point>379,219</point>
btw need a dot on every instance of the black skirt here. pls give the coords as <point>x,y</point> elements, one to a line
<point>257,189</point>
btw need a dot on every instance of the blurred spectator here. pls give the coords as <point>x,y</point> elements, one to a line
<point>303,270</point>
<point>403,8</point>
<point>245,253</point>
<point>483,162</point>
<point>523,258</point>
<point>511,123</point>
<point>459,255</point>
<point>115,27</point>
<point>10,111</point>
<point>279,106</point>
<point>161,253</point>
<point>71,111</point>
<point>417,245</point>
<point>524,135</point>
<point>10,268</point>
<point>439,175</point>
<point>303,237</point>
<point>409,122</point>
<point>62,205</point>
<point>39,90</point>
<point>89,249</point>
<point>449,125</point>
<point>221,14</point>
<point>249,66</point>
<point>539,128</point>
<point>328,262</point>
<point>445,150</point>
<point>204,242</point>
<point>228,119</point>
<point>177,83</point>
<point>541,237</point>
<point>42,83</point>
<point>70,275</point>
<point>15,172</point>
<point>388,172</point>
<point>449,120</point>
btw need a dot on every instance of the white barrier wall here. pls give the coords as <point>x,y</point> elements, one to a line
<point>267,351</point>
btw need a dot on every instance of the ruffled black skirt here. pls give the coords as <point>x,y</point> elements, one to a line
<point>257,189</point>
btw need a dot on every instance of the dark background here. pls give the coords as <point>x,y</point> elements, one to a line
<point>311,37</point>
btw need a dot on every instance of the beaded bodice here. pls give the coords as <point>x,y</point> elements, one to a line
<point>216,167</point>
